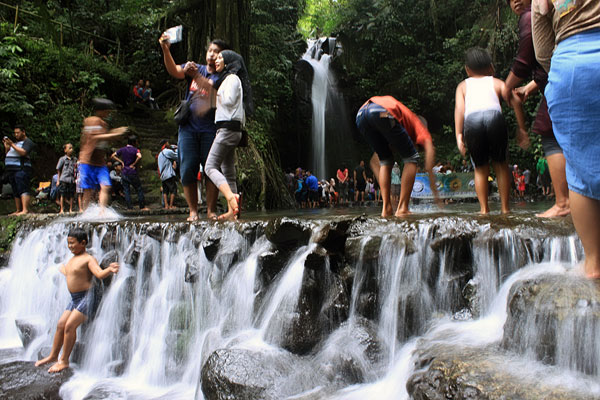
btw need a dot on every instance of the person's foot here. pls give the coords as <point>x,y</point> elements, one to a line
<point>192,218</point>
<point>61,212</point>
<point>234,210</point>
<point>46,360</point>
<point>59,366</point>
<point>402,213</point>
<point>555,211</point>
<point>144,209</point>
<point>22,212</point>
<point>387,211</point>
<point>14,213</point>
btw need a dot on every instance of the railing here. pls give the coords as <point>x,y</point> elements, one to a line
<point>19,10</point>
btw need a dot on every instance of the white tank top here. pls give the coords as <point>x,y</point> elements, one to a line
<point>480,95</point>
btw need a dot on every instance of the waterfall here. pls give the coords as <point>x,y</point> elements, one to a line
<point>321,86</point>
<point>185,291</point>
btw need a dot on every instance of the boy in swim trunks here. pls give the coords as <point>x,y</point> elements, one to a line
<point>480,126</point>
<point>93,172</point>
<point>78,270</point>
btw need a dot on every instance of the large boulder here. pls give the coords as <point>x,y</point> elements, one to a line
<point>448,371</point>
<point>288,234</point>
<point>247,374</point>
<point>28,329</point>
<point>557,319</point>
<point>22,380</point>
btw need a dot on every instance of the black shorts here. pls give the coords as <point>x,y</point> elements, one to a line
<point>486,137</point>
<point>20,182</point>
<point>169,186</point>
<point>66,190</point>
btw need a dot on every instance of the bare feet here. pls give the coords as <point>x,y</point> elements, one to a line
<point>233,211</point>
<point>192,218</point>
<point>144,209</point>
<point>59,366</point>
<point>15,213</point>
<point>555,211</point>
<point>46,360</point>
<point>402,213</point>
<point>22,213</point>
<point>387,211</point>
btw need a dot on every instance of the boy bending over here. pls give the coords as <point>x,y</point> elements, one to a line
<point>78,270</point>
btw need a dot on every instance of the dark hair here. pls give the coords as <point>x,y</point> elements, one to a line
<point>78,234</point>
<point>65,145</point>
<point>132,140</point>
<point>21,127</point>
<point>163,142</point>
<point>102,104</point>
<point>223,45</point>
<point>478,60</point>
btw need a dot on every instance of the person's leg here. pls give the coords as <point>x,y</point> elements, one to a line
<point>481,187</point>
<point>189,157</point>
<point>75,319</point>
<point>556,166</point>
<point>504,178</point>
<point>127,190</point>
<point>212,191</point>
<point>407,181</point>
<point>385,182</point>
<point>25,199</point>
<point>135,180</point>
<point>58,340</point>
<point>171,200</point>
<point>18,206</point>
<point>104,197</point>
<point>586,214</point>
<point>220,161</point>
<point>61,203</point>
<point>190,192</point>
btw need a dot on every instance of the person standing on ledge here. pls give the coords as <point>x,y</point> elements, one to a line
<point>18,167</point>
<point>388,125</point>
<point>567,33</point>
<point>196,135</point>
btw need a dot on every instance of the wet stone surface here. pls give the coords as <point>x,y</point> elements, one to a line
<point>21,380</point>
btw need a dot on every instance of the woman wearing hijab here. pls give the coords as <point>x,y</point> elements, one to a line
<point>234,100</point>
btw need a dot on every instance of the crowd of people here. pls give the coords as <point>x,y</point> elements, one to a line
<point>219,98</point>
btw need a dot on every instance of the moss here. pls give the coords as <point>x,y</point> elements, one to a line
<point>9,227</point>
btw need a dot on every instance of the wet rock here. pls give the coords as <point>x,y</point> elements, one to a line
<point>454,372</point>
<point>333,236</point>
<point>192,268</point>
<point>108,258</point>
<point>21,380</point>
<point>155,231</point>
<point>101,393</point>
<point>4,259</point>
<point>211,244</point>
<point>270,263</point>
<point>317,259</point>
<point>362,249</point>
<point>28,330</point>
<point>245,374</point>
<point>132,254</point>
<point>557,319</point>
<point>471,296</point>
<point>288,234</point>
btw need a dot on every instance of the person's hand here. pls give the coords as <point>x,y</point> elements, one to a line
<point>165,44</point>
<point>114,267</point>
<point>522,93</point>
<point>190,69</point>
<point>523,139</point>
<point>461,147</point>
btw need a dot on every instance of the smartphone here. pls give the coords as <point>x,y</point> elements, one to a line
<point>175,34</point>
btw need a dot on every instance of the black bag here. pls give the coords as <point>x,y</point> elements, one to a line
<point>182,114</point>
<point>244,140</point>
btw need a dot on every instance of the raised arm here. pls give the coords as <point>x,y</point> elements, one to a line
<point>459,117</point>
<point>173,69</point>
<point>112,134</point>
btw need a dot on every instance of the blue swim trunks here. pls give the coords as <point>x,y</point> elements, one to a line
<point>91,176</point>
<point>82,302</point>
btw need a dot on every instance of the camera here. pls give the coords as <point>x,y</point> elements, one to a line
<point>5,137</point>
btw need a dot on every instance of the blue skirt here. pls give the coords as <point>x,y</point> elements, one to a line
<point>573,94</point>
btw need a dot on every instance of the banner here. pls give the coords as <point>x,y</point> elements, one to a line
<point>456,186</point>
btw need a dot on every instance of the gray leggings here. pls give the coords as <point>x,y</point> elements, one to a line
<point>220,164</point>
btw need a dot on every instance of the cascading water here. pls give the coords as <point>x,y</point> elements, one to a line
<point>180,301</point>
<point>321,86</point>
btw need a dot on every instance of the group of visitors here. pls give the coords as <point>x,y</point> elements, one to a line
<point>142,93</point>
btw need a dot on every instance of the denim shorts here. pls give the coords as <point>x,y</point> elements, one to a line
<point>384,133</point>
<point>573,94</point>
<point>192,150</point>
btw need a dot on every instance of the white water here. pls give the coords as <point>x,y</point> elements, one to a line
<point>158,329</point>
<point>321,86</point>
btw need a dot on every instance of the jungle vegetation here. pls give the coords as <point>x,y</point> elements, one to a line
<point>56,55</point>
